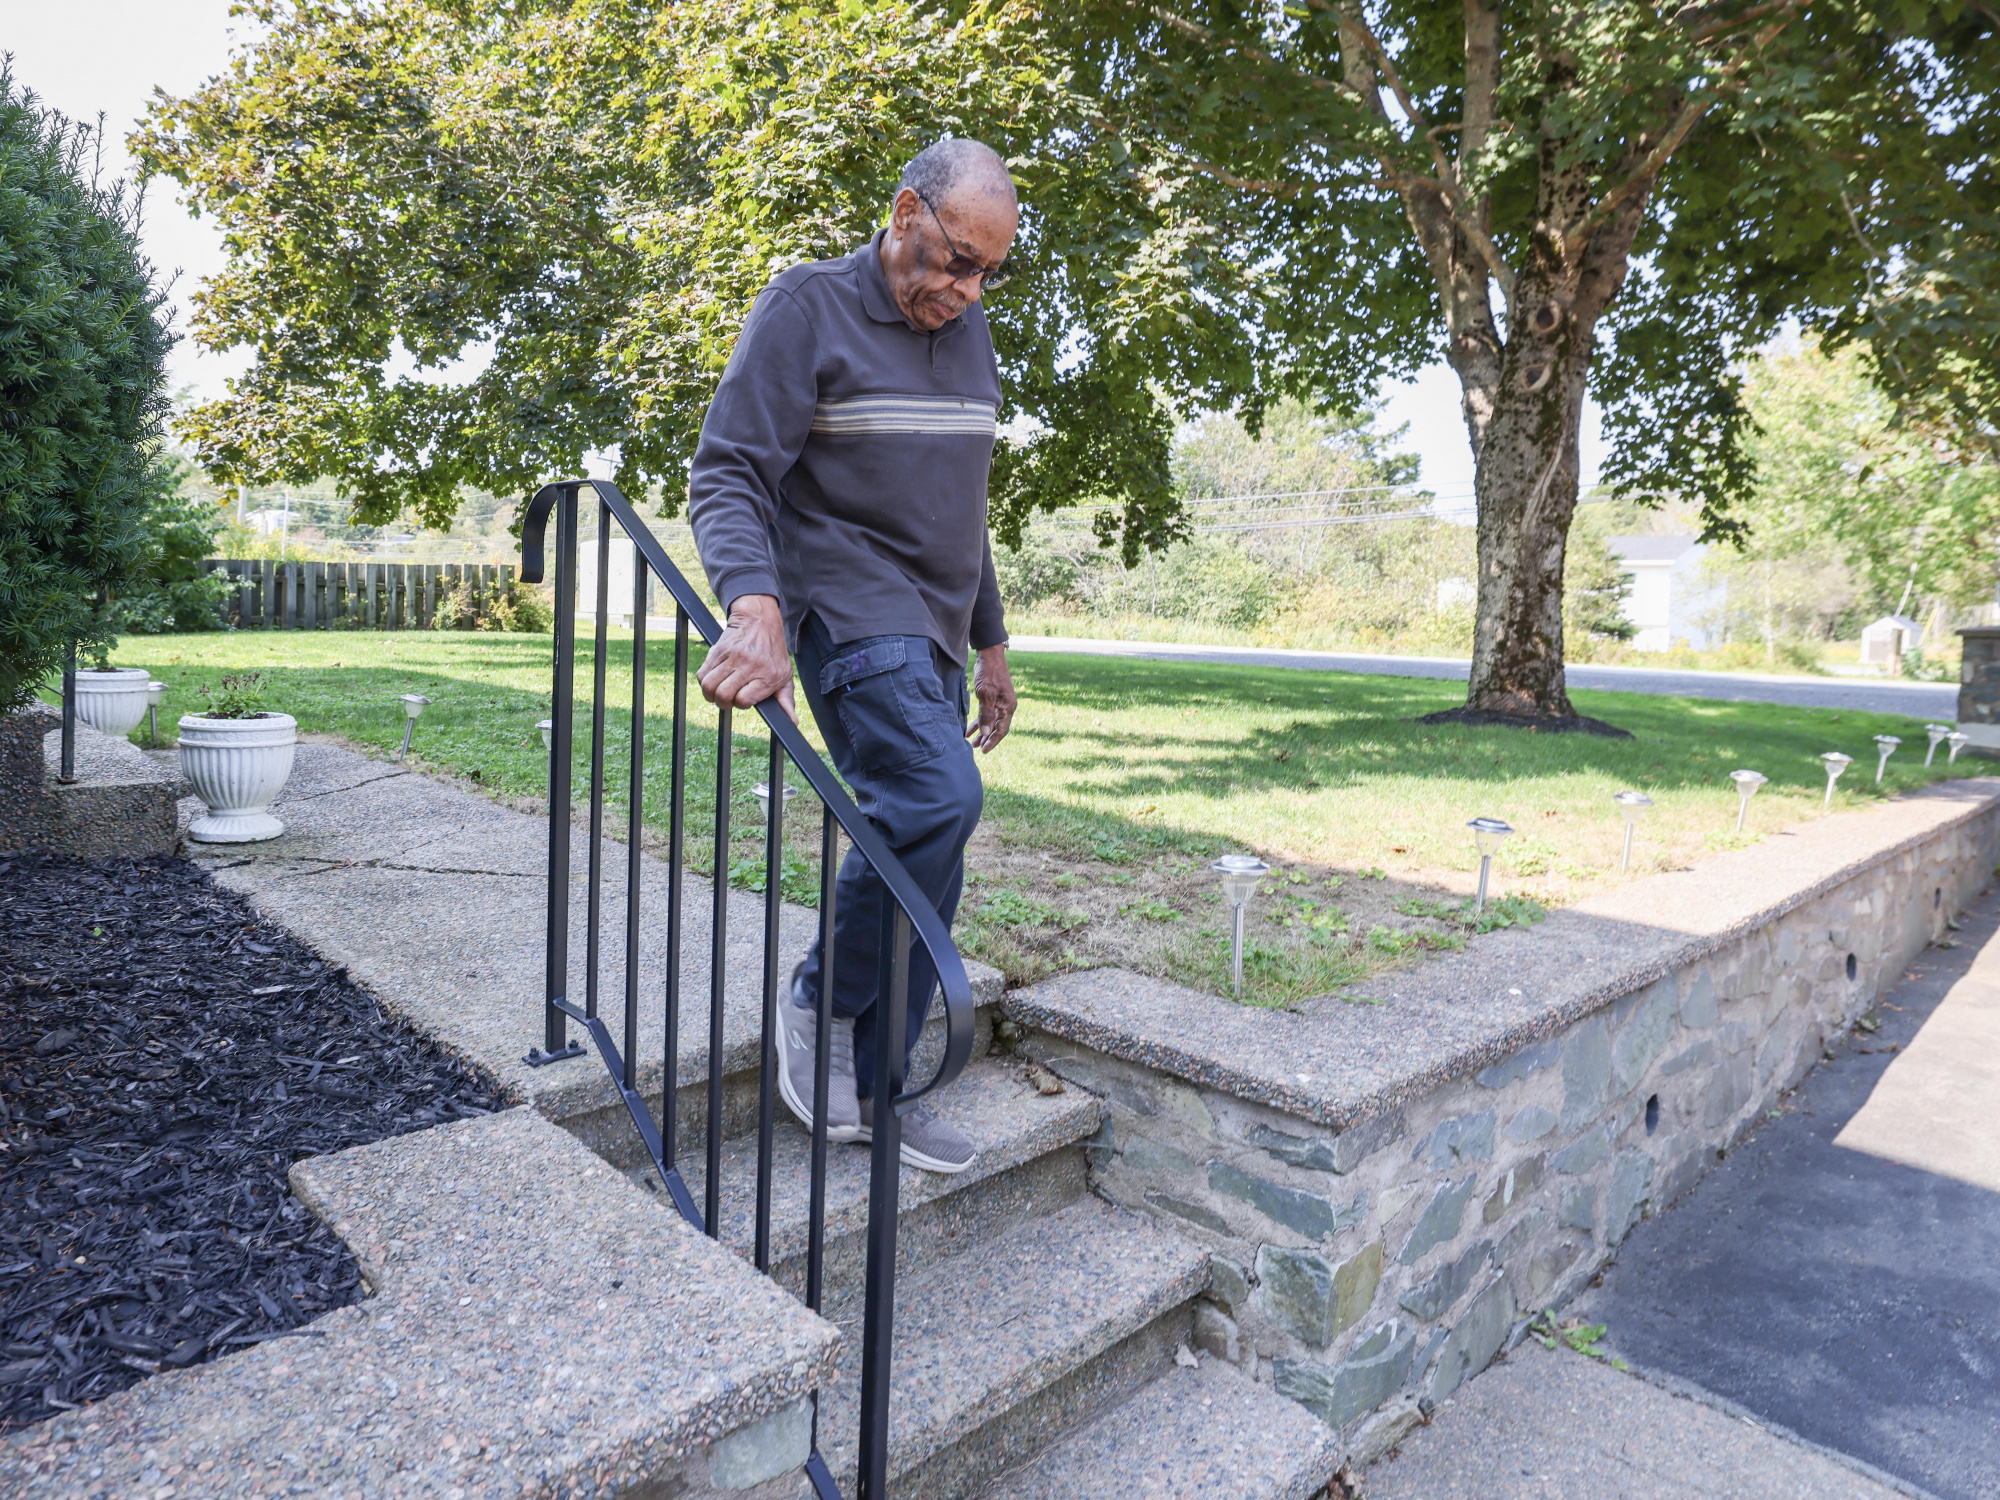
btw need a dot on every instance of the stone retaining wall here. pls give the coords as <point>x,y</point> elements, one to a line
<point>1367,1272</point>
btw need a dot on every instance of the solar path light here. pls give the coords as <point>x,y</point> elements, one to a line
<point>413,705</point>
<point>762,792</point>
<point>548,729</point>
<point>1240,874</point>
<point>155,691</point>
<point>1747,783</point>
<point>1488,834</point>
<point>1886,744</point>
<point>1958,741</point>
<point>1633,805</point>
<point>1938,733</point>
<point>1835,764</point>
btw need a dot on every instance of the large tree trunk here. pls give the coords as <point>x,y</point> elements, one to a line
<point>1526,487</point>
<point>1526,452</point>
<point>1523,384</point>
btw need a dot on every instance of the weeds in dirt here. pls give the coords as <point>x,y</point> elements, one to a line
<point>1573,1334</point>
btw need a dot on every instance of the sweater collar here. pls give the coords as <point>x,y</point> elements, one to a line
<point>875,298</point>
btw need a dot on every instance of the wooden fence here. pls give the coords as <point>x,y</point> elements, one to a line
<point>273,595</point>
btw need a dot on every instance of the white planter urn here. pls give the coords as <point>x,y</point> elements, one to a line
<point>112,701</point>
<point>237,766</point>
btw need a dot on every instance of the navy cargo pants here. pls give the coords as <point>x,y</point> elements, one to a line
<point>893,710</point>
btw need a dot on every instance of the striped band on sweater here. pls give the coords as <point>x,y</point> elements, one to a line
<point>866,415</point>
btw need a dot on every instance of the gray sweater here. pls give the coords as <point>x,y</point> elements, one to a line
<point>842,465</point>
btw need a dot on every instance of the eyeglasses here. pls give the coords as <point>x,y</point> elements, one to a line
<point>962,266</point>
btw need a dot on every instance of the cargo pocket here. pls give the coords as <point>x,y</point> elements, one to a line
<point>872,685</point>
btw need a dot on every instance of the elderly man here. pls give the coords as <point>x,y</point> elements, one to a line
<point>838,497</point>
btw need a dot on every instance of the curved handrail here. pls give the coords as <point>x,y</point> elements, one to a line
<point>924,920</point>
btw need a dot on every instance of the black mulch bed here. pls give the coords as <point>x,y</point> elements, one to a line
<point>164,1057</point>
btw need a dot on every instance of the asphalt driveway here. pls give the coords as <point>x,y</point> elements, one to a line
<point>1847,1297</point>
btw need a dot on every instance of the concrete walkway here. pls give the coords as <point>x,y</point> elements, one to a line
<point>1917,700</point>
<point>435,900</point>
<point>1833,1280</point>
<point>1558,1426</point>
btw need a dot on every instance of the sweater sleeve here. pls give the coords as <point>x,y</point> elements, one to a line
<point>754,431</point>
<point>988,626</point>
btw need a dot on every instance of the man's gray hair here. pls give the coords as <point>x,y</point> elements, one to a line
<point>956,164</point>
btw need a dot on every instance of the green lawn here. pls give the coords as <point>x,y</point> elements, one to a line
<point>1123,778</point>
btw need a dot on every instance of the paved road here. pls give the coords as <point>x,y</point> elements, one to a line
<point>1917,700</point>
<point>1849,1298</point>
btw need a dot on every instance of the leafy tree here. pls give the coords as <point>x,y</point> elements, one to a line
<point>590,197</point>
<point>1625,196</point>
<point>1915,515</point>
<point>1227,203</point>
<point>82,351</point>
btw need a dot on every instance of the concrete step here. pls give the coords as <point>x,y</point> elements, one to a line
<point>1043,1328</point>
<point>1030,1164</point>
<point>607,1129</point>
<point>1200,1434</point>
<point>535,1326</point>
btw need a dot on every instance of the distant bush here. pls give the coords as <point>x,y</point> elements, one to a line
<point>169,589</point>
<point>518,608</point>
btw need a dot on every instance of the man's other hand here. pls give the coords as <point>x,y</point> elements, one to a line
<point>750,662</point>
<point>993,685</point>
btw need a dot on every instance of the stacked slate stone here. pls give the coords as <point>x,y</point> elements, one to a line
<point>164,1058</point>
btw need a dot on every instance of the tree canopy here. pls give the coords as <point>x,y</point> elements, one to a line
<point>1225,203</point>
<point>587,199</point>
<point>1838,475</point>
<point>82,372</point>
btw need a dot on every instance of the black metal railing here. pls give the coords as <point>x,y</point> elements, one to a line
<point>909,915</point>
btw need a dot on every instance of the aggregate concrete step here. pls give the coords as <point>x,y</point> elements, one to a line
<point>1029,1165</point>
<point>1201,1434</point>
<point>535,1326</point>
<point>1040,1329</point>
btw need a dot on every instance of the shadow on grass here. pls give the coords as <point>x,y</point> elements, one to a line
<point>1345,730</point>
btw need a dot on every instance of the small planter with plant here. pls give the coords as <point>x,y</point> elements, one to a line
<point>111,700</point>
<point>238,756</point>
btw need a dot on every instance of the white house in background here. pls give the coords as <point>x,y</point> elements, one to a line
<point>1669,601</point>
<point>1884,642</point>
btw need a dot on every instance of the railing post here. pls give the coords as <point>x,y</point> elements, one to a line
<point>561,711</point>
<point>767,1057</point>
<point>878,1326</point>
<point>634,859</point>
<point>676,833</point>
<point>829,884</point>
<point>66,773</point>
<point>718,969</point>
<point>593,932</point>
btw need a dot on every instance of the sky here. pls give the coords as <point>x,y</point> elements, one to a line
<point>86,57</point>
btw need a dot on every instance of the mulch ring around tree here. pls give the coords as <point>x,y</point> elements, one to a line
<point>1485,718</point>
<point>165,1056</point>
